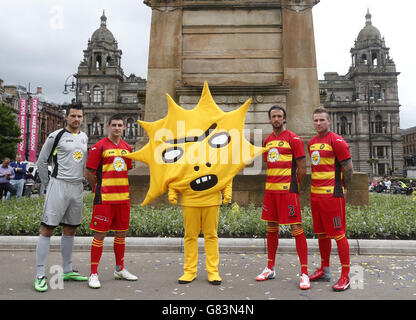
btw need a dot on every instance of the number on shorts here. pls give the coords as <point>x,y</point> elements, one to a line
<point>291,210</point>
<point>337,222</point>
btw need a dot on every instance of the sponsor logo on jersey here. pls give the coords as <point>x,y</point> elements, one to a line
<point>119,164</point>
<point>77,155</point>
<point>273,155</point>
<point>315,157</point>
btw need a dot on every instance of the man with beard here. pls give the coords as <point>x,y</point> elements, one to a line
<point>286,168</point>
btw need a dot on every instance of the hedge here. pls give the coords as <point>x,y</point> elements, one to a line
<point>387,217</point>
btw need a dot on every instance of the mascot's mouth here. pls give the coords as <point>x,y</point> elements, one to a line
<point>204,182</point>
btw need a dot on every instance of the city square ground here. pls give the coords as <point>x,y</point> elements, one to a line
<point>374,277</point>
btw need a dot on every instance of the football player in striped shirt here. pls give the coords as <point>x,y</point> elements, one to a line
<point>106,172</point>
<point>332,171</point>
<point>286,168</point>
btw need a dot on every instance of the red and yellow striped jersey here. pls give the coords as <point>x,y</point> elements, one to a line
<point>326,155</point>
<point>110,166</point>
<point>281,162</point>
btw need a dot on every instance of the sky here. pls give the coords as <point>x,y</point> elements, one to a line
<point>42,41</point>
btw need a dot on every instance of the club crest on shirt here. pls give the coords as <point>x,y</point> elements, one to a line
<point>119,164</point>
<point>273,155</point>
<point>315,157</point>
<point>77,155</point>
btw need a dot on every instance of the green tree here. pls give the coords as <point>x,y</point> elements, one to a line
<point>9,132</point>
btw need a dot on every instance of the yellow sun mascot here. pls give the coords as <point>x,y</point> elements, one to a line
<point>196,153</point>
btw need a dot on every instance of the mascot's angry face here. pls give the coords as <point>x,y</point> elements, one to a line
<point>198,150</point>
<point>194,150</point>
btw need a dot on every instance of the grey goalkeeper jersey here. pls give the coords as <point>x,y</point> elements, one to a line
<point>68,159</point>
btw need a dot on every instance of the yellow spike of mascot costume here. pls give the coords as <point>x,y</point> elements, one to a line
<point>196,153</point>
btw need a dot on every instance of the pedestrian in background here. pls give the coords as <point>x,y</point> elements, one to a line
<point>6,174</point>
<point>18,181</point>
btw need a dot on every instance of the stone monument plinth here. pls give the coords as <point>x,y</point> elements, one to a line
<point>259,49</point>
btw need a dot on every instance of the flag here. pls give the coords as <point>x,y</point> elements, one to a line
<point>22,124</point>
<point>33,137</point>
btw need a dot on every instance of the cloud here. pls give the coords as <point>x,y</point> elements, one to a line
<point>43,40</point>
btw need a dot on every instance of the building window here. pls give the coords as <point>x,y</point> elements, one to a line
<point>377,92</point>
<point>96,95</point>
<point>96,127</point>
<point>364,58</point>
<point>378,125</point>
<point>374,59</point>
<point>381,168</point>
<point>379,151</point>
<point>130,129</point>
<point>98,62</point>
<point>344,125</point>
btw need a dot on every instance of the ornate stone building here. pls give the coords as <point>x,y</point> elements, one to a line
<point>50,114</point>
<point>409,146</point>
<point>364,105</point>
<point>104,89</point>
<point>50,117</point>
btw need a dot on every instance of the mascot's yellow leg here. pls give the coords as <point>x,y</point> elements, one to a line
<point>195,219</point>
<point>192,226</point>
<point>209,229</point>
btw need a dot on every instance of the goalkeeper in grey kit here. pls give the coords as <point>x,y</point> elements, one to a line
<point>67,148</point>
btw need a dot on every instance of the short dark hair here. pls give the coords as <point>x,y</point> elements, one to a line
<point>77,106</point>
<point>321,110</point>
<point>276,107</point>
<point>116,116</point>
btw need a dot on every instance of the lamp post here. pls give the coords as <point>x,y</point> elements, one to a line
<point>391,145</point>
<point>370,142</point>
<point>73,87</point>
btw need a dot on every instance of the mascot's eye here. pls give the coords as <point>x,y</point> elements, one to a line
<point>219,140</point>
<point>172,155</point>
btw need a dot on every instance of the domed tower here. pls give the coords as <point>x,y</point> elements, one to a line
<point>370,49</point>
<point>364,104</point>
<point>375,87</point>
<point>104,90</point>
<point>102,55</point>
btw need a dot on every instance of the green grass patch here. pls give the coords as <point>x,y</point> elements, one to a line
<point>387,217</point>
